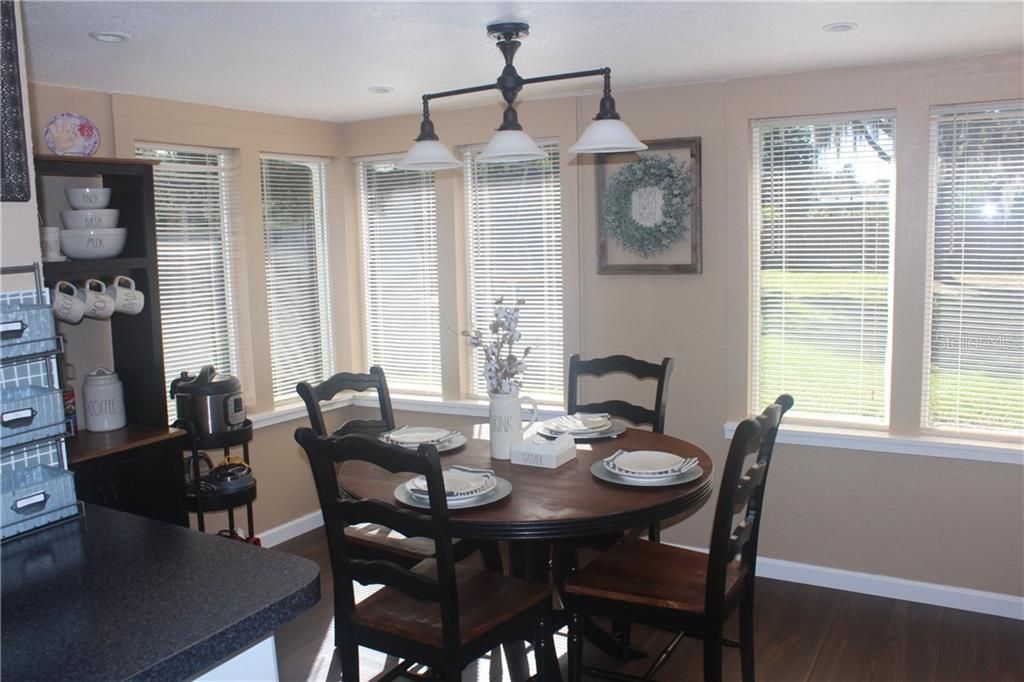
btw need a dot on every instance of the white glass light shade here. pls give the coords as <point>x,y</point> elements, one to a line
<point>508,146</point>
<point>606,136</point>
<point>428,155</point>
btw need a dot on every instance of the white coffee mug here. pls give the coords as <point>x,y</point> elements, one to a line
<point>98,304</point>
<point>127,299</point>
<point>50,242</point>
<point>507,422</point>
<point>67,307</point>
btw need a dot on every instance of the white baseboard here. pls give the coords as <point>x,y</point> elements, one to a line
<point>291,529</point>
<point>964,598</point>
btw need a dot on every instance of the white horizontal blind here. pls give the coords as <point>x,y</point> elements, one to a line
<point>298,292</point>
<point>193,233</point>
<point>974,367</point>
<point>400,294</point>
<point>515,251</point>
<point>822,214</point>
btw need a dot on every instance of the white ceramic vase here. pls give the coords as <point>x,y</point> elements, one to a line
<point>507,422</point>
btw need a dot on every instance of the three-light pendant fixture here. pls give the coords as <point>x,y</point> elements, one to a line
<point>606,134</point>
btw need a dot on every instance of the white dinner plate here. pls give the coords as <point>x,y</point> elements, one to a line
<point>616,429</point>
<point>456,483</point>
<point>645,463</point>
<point>487,487</point>
<point>416,435</point>
<point>577,423</point>
<point>453,442</point>
<point>501,490</point>
<point>599,470</point>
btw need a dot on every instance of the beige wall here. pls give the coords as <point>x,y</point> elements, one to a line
<point>921,518</point>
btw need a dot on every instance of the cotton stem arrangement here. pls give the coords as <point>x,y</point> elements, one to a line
<point>503,369</point>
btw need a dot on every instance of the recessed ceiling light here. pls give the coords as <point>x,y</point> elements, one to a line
<point>110,37</point>
<point>381,89</point>
<point>839,27</point>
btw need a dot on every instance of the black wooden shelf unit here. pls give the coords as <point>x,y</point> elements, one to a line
<point>143,471</point>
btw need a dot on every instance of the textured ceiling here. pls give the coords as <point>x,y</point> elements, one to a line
<point>317,60</point>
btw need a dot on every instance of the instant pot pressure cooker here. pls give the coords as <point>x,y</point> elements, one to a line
<point>210,403</point>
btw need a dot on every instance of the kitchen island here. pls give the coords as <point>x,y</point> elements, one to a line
<point>113,596</point>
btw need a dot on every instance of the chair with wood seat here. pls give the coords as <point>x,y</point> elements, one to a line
<point>375,542</point>
<point>681,590</point>
<point>634,414</point>
<point>436,613</point>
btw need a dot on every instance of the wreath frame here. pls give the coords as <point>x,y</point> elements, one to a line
<point>619,261</point>
<point>652,170</point>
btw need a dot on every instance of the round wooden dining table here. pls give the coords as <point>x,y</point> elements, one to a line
<point>555,504</point>
<point>552,507</point>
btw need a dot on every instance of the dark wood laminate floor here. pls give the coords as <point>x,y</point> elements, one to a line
<point>802,633</point>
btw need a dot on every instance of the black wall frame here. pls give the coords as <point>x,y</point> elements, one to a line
<point>14,183</point>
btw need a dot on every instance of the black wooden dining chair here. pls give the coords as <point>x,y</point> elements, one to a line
<point>681,590</point>
<point>436,613</point>
<point>370,541</point>
<point>349,381</point>
<point>634,414</point>
<point>622,364</point>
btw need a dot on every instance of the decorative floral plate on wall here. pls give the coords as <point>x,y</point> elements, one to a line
<point>71,135</point>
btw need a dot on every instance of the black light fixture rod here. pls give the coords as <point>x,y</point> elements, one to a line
<point>526,81</point>
<point>460,91</point>
<point>566,76</point>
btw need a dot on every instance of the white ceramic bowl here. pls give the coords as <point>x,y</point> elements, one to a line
<point>92,244</point>
<point>99,219</point>
<point>86,198</point>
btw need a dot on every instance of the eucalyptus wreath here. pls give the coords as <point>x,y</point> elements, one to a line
<point>664,173</point>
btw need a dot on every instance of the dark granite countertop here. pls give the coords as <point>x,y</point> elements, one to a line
<point>114,596</point>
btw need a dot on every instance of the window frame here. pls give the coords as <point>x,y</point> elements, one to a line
<point>357,164</point>
<point>325,304</point>
<point>467,369</point>
<point>236,316</point>
<point>994,436</point>
<point>753,290</point>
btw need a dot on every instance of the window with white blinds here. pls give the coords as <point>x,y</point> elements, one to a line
<point>822,217</point>
<point>298,292</point>
<point>974,364</point>
<point>514,235</point>
<point>400,289</point>
<point>192,189</point>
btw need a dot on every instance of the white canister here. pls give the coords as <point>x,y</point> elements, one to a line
<point>104,401</point>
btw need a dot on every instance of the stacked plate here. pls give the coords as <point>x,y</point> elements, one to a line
<point>412,437</point>
<point>647,468</point>
<point>464,487</point>
<point>582,426</point>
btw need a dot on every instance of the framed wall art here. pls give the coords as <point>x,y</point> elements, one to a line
<point>14,184</point>
<point>649,209</point>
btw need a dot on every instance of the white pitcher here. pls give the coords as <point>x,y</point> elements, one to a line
<point>507,422</point>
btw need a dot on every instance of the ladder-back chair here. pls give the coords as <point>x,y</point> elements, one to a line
<point>436,613</point>
<point>681,590</point>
